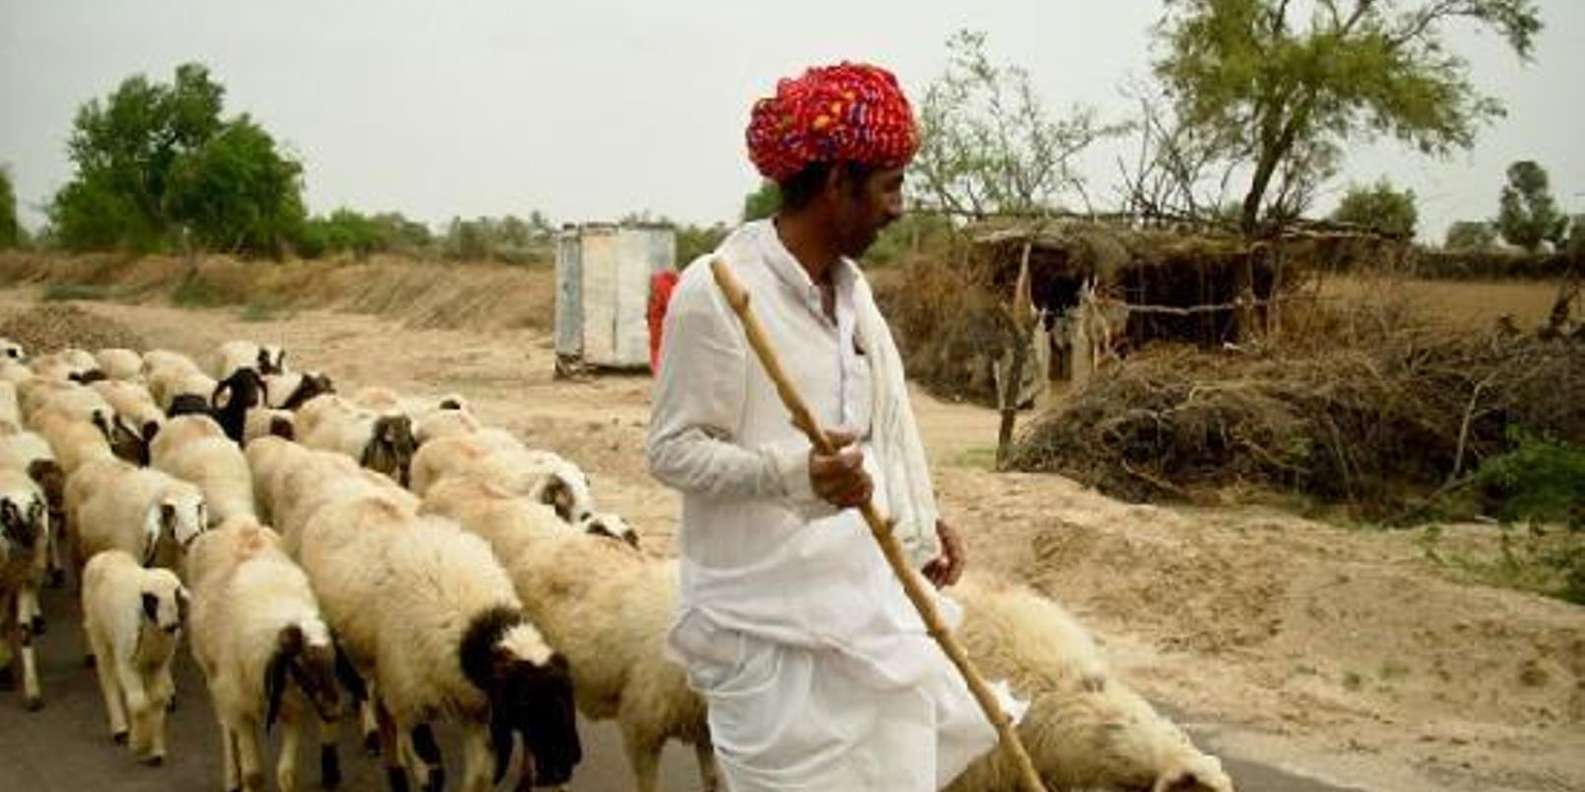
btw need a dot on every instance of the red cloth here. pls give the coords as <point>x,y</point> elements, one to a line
<point>660,286</point>
<point>851,112</point>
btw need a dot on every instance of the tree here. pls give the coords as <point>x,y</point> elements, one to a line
<point>1381,208</point>
<point>763,202</point>
<point>1282,95</point>
<point>1527,213</point>
<point>155,160</point>
<point>987,145</point>
<point>10,229</point>
<point>1470,235</point>
<point>1575,246</point>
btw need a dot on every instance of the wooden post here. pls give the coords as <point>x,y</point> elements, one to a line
<point>913,583</point>
<point>1013,386</point>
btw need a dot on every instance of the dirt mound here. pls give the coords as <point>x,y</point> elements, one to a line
<point>53,326</point>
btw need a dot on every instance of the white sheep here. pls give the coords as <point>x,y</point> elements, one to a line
<point>119,364</point>
<point>64,365</point>
<point>134,404</point>
<point>293,389</point>
<point>194,449</point>
<point>435,424</point>
<point>156,359</point>
<point>31,454</point>
<point>24,543</point>
<point>608,608</point>
<point>1084,728</point>
<point>265,421</point>
<point>74,443</point>
<point>232,355</point>
<point>428,612</point>
<point>265,651</point>
<point>14,372</point>
<point>168,383</point>
<point>132,618</point>
<point>144,512</point>
<point>65,398</point>
<point>496,456</point>
<point>383,443</point>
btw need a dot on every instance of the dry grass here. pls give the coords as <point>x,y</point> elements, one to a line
<point>420,295</point>
<point>1470,304</point>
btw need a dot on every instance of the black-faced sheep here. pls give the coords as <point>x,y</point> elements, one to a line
<point>292,390</point>
<point>24,543</point>
<point>233,356</point>
<point>132,618</point>
<point>457,646</point>
<point>265,651</point>
<point>143,512</point>
<point>382,443</point>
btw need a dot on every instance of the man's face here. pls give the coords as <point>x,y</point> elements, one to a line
<point>864,208</point>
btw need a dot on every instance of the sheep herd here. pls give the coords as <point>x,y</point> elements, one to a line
<point>393,563</point>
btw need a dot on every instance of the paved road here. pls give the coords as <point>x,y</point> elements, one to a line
<point>67,748</point>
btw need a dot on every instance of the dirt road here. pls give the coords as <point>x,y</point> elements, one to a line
<point>1336,654</point>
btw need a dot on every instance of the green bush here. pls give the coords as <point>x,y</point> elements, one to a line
<point>10,230</point>
<point>1541,480</point>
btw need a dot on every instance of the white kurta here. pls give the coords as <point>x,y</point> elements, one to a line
<point>816,668</point>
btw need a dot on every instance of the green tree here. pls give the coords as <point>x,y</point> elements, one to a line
<point>1381,208</point>
<point>154,160</point>
<point>987,143</point>
<point>1470,235</point>
<point>1283,94</point>
<point>236,192</point>
<point>762,203</point>
<point>1527,214</point>
<point>1575,246</point>
<point>10,229</point>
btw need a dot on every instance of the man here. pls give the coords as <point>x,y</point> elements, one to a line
<point>816,668</point>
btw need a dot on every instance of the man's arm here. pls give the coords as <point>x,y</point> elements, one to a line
<point>698,404</point>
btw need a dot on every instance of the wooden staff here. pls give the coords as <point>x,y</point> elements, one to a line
<point>913,585</point>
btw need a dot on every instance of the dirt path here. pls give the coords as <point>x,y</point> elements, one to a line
<point>1333,654</point>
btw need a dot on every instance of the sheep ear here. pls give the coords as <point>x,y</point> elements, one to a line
<point>289,644</point>
<point>151,607</point>
<point>150,429</point>
<point>1184,781</point>
<point>558,495</point>
<point>168,516</point>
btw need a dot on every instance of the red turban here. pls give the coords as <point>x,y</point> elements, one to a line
<point>851,112</point>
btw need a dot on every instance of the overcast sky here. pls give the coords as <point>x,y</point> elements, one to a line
<point>587,110</point>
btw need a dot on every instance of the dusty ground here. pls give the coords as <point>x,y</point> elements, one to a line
<point>1335,654</point>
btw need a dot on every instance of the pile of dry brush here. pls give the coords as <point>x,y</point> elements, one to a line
<point>1369,407</point>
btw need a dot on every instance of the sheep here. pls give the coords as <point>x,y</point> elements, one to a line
<point>293,389</point>
<point>132,618</point>
<point>67,365</point>
<point>31,454</point>
<point>24,542</point>
<point>383,443</point>
<point>171,374</point>
<point>134,405</point>
<point>261,359</point>
<point>145,512</point>
<point>74,443</point>
<point>509,522</point>
<point>156,359</point>
<point>1084,728</point>
<point>265,652</point>
<point>378,399</point>
<point>426,611</point>
<point>444,422</point>
<point>263,421</point>
<point>10,407</point>
<point>122,365</point>
<point>496,456</point>
<point>608,608</point>
<point>242,390</point>
<point>13,372</point>
<point>192,448</point>
<point>67,398</point>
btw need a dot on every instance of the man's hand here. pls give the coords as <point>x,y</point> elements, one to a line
<point>945,569</point>
<point>839,478</point>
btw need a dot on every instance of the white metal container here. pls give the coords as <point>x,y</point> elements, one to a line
<point>602,293</point>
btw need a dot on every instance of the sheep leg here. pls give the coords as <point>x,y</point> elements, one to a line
<point>395,774</point>
<point>478,760</point>
<point>329,754</point>
<point>140,710</point>
<point>250,755</point>
<point>27,610</point>
<point>55,575</point>
<point>162,699</point>
<point>286,760</point>
<point>704,752</point>
<point>371,722</point>
<point>109,687</point>
<point>427,764</point>
<point>643,755</point>
<point>228,758</point>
